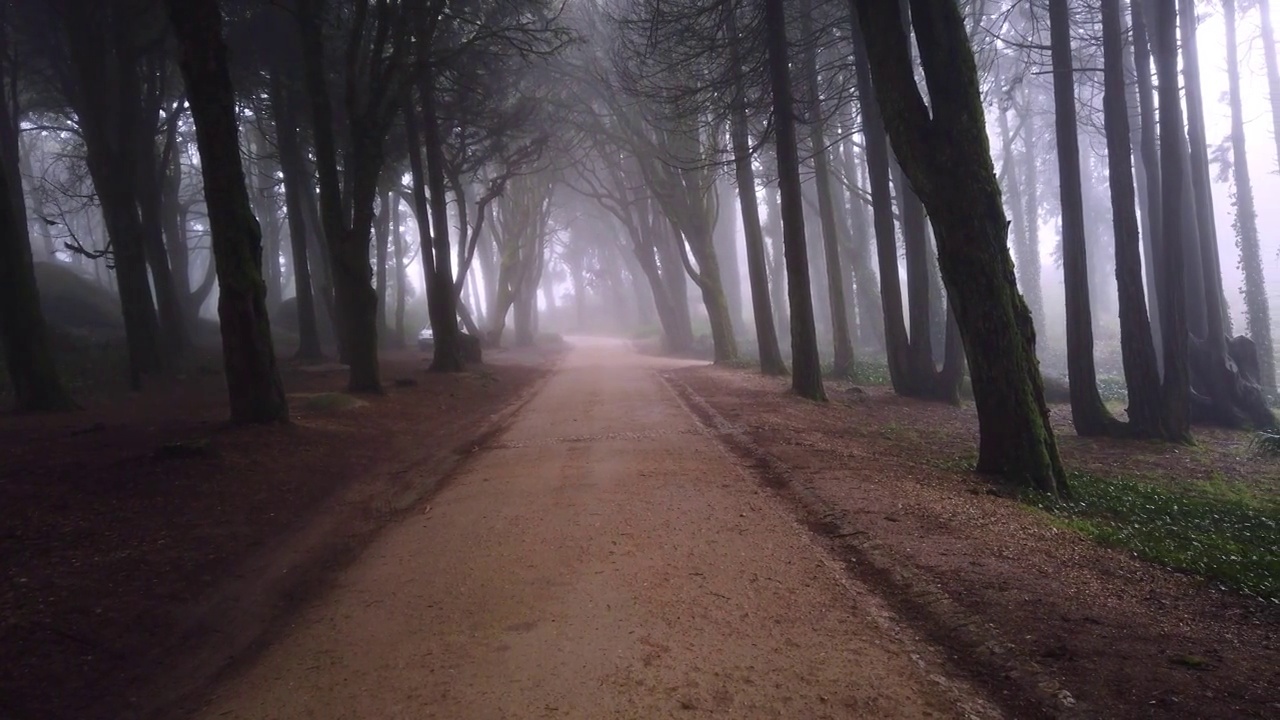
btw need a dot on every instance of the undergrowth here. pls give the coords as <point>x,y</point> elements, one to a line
<point>1219,532</point>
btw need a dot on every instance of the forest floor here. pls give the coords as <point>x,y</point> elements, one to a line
<point>1016,591</point>
<point>145,544</point>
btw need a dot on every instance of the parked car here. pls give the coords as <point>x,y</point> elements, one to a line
<point>426,340</point>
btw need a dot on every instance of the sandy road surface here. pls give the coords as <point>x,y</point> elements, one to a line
<point>602,558</point>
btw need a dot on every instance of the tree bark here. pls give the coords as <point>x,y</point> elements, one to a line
<point>1150,154</point>
<point>1176,386</point>
<point>441,299</point>
<point>1088,413</point>
<point>944,150</point>
<point>1258,310</point>
<point>806,376</point>
<point>896,343</point>
<point>771,362</point>
<point>253,380</point>
<point>1273,69</point>
<point>1142,377</point>
<point>24,337</point>
<point>295,178</point>
<point>837,279</point>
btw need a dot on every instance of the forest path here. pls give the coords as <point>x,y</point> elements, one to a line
<point>602,558</point>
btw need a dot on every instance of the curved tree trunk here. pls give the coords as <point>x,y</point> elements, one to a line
<point>944,150</point>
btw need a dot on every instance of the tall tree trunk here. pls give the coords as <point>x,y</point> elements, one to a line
<point>777,263</point>
<point>441,299</point>
<point>726,247</point>
<point>381,233</point>
<point>402,277</point>
<point>145,182</point>
<point>1152,239</point>
<point>944,150</point>
<point>24,338</point>
<point>1258,310</point>
<point>806,376</point>
<point>1215,299</point>
<point>1176,386</point>
<point>1141,375</point>
<point>1273,69</point>
<point>1088,413</point>
<point>837,278</point>
<point>870,312</point>
<point>1030,280</point>
<point>295,181</point>
<point>771,362</point>
<point>897,348</point>
<point>253,380</point>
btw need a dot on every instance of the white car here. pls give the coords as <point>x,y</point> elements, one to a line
<point>426,339</point>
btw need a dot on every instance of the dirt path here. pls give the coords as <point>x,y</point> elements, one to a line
<point>603,557</point>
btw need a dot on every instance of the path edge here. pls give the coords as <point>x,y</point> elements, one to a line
<point>993,661</point>
<point>313,558</point>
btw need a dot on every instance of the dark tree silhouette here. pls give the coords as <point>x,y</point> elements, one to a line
<point>253,380</point>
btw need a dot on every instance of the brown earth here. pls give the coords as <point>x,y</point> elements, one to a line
<point>1026,604</point>
<point>145,544</point>
<point>604,557</point>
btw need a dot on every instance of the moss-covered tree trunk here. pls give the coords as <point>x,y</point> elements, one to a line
<point>1089,415</point>
<point>806,375</point>
<point>944,150</point>
<point>1257,307</point>
<point>1137,347</point>
<point>253,380</point>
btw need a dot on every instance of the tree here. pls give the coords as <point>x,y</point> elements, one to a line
<point>1176,386</point>
<point>806,376</point>
<point>771,362</point>
<point>253,380</point>
<point>1273,68</point>
<point>374,47</point>
<point>37,387</point>
<point>1258,311</point>
<point>1142,377</point>
<point>1089,415</point>
<point>836,277</point>
<point>944,151</point>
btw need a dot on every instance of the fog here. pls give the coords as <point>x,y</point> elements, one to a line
<point>579,168</point>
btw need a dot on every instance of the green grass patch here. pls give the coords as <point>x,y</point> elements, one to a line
<point>1218,531</point>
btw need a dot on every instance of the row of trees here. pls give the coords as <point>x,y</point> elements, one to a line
<point>848,141</point>
<point>346,108</point>
<point>860,116</point>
